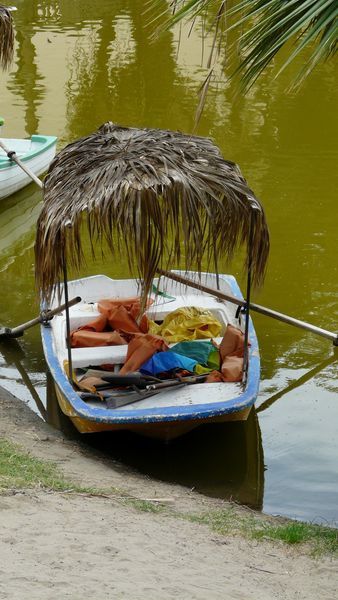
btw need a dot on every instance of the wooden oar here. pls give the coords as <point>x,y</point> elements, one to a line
<point>7,332</point>
<point>268,312</point>
<point>13,156</point>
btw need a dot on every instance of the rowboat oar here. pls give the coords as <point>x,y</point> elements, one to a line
<point>268,312</point>
<point>7,332</point>
<point>122,398</point>
<point>13,156</point>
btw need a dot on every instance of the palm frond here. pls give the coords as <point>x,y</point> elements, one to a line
<point>160,197</point>
<point>266,26</point>
<point>179,9</point>
<point>6,37</point>
<point>270,24</point>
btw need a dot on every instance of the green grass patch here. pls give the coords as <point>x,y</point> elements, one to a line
<point>144,505</point>
<point>225,521</point>
<point>322,539</point>
<point>20,470</point>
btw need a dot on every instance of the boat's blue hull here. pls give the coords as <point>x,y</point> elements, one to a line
<point>160,421</point>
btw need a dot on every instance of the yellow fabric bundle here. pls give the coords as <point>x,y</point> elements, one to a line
<point>188,323</point>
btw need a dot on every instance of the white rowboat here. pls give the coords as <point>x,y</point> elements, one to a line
<point>35,153</point>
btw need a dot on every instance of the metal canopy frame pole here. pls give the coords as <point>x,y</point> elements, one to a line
<point>69,348</point>
<point>248,297</point>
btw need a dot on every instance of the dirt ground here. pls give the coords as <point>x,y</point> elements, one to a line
<point>55,546</point>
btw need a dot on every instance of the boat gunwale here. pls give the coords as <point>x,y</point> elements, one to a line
<point>47,142</point>
<point>157,414</point>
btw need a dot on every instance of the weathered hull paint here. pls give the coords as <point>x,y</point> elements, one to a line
<point>162,431</point>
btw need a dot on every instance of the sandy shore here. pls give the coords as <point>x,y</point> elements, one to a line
<point>58,545</point>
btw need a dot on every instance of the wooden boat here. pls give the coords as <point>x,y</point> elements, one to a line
<point>158,198</point>
<point>36,153</point>
<point>171,412</point>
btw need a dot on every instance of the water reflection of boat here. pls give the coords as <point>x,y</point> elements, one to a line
<point>222,460</point>
<point>14,356</point>
<point>18,215</point>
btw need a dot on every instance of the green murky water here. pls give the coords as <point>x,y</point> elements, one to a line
<point>79,64</point>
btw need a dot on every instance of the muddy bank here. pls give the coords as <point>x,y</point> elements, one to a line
<point>56,546</point>
<point>79,463</point>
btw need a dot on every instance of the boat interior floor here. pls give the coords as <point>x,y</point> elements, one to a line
<point>87,310</point>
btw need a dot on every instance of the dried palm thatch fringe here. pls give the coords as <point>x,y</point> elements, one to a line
<point>159,196</point>
<point>6,37</point>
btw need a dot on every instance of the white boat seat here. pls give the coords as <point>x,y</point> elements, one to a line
<point>99,355</point>
<point>84,313</point>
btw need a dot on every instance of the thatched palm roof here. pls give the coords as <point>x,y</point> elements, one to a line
<point>161,197</point>
<point>6,37</point>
